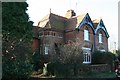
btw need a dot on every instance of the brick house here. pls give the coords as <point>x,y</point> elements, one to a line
<point>54,29</point>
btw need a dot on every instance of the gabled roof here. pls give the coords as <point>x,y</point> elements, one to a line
<point>96,22</point>
<point>100,25</point>
<point>44,21</point>
<point>52,21</point>
<point>86,20</point>
<point>74,22</point>
<point>80,18</point>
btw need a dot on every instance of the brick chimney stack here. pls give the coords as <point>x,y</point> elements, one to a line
<point>70,13</point>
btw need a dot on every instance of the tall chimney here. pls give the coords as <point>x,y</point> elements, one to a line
<point>70,13</point>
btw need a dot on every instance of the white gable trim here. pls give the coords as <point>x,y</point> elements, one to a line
<point>87,20</point>
<point>101,27</point>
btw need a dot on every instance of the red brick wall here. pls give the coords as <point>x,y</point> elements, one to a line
<point>35,44</point>
<point>80,34</point>
<point>51,38</point>
<point>104,39</point>
<point>71,24</point>
<point>69,36</point>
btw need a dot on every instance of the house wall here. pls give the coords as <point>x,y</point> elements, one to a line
<point>80,37</point>
<point>54,37</point>
<point>49,41</point>
<point>70,36</point>
<point>104,44</point>
<point>35,44</point>
<point>71,24</point>
<point>60,30</point>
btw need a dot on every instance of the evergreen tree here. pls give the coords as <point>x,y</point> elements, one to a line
<point>17,36</point>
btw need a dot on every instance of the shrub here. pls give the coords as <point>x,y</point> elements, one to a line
<point>16,69</point>
<point>65,60</point>
<point>99,57</point>
<point>64,70</point>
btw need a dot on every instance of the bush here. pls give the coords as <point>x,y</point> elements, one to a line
<point>99,57</point>
<point>66,60</point>
<point>63,70</point>
<point>57,69</point>
<point>16,69</point>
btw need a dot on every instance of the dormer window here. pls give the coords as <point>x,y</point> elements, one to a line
<point>100,37</point>
<point>86,35</point>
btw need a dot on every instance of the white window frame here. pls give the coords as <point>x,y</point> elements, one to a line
<point>46,50</point>
<point>100,38</point>
<point>86,35</point>
<point>86,55</point>
<point>102,50</point>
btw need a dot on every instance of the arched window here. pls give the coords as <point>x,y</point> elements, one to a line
<point>100,37</point>
<point>86,34</point>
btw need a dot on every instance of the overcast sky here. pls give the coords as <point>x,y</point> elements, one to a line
<point>106,9</point>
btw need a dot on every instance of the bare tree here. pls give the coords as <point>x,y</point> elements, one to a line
<point>69,54</point>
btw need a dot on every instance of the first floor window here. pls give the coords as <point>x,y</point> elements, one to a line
<point>86,35</point>
<point>46,50</point>
<point>100,38</point>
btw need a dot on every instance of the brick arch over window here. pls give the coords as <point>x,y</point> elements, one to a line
<point>90,30</point>
<point>87,27</point>
<point>103,31</point>
<point>100,30</point>
<point>103,44</point>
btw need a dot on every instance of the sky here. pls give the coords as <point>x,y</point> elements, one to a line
<point>105,9</point>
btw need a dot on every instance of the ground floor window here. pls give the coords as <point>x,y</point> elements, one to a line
<point>102,50</point>
<point>86,55</point>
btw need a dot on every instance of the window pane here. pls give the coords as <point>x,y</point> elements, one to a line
<point>86,58</point>
<point>100,38</point>
<point>46,50</point>
<point>86,35</point>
